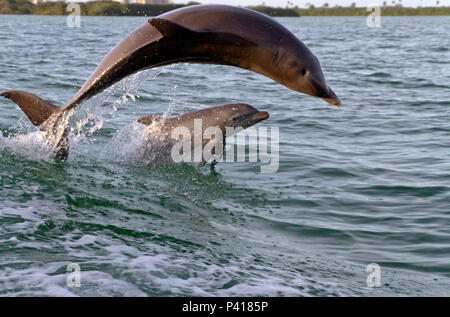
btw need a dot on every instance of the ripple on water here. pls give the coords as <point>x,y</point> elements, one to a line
<point>364,183</point>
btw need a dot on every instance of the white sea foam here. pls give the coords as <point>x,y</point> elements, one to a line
<point>151,268</point>
<point>32,146</point>
<point>37,280</point>
<point>121,266</point>
<point>179,275</point>
<point>50,279</point>
<point>29,218</point>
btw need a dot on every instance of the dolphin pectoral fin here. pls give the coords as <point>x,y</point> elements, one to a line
<point>36,109</point>
<point>213,153</point>
<point>148,120</point>
<point>202,163</point>
<point>168,28</point>
<point>224,144</point>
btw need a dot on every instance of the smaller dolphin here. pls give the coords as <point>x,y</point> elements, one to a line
<point>220,121</point>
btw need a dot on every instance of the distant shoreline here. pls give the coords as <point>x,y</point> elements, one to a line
<point>109,8</point>
<point>384,11</point>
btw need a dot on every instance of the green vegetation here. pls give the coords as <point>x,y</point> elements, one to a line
<point>49,8</point>
<point>87,8</point>
<point>16,7</point>
<point>396,10</point>
<point>109,8</point>
<point>276,12</point>
<point>118,9</point>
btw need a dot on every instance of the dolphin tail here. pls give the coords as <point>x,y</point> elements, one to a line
<point>38,111</point>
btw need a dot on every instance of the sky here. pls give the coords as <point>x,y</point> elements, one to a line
<point>302,3</point>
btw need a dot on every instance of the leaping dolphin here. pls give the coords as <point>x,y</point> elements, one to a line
<point>213,34</point>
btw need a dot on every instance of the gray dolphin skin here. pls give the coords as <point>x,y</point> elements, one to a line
<point>229,119</point>
<point>213,34</point>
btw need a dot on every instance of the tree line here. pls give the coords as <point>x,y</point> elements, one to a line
<point>109,8</point>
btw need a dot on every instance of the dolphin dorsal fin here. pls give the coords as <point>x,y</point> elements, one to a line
<point>171,29</point>
<point>149,120</point>
<point>168,28</point>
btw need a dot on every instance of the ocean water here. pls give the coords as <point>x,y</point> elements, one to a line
<point>368,182</point>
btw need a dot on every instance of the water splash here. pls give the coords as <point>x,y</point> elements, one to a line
<point>95,115</point>
<point>138,144</point>
<point>168,112</point>
<point>134,144</point>
<point>32,146</point>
